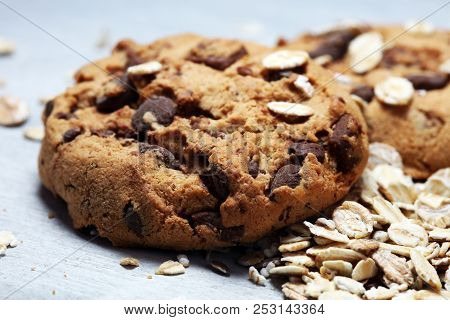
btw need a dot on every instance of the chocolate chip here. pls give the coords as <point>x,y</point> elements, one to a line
<point>422,58</point>
<point>71,134</point>
<point>216,181</point>
<point>217,54</point>
<point>428,81</point>
<point>132,219</point>
<point>102,133</point>
<point>299,151</point>
<point>275,75</point>
<point>244,71</point>
<point>253,168</point>
<point>340,143</point>
<point>335,44</point>
<point>364,92</point>
<point>220,268</point>
<point>161,153</point>
<point>287,175</point>
<point>119,92</point>
<point>48,108</point>
<point>232,234</point>
<point>162,108</point>
<point>65,116</point>
<point>209,218</point>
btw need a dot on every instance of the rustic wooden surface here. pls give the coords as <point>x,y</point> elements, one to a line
<point>54,261</point>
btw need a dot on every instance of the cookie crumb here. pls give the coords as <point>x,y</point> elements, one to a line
<point>51,215</point>
<point>149,277</point>
<point>7,239</point>
<point>129,262</point>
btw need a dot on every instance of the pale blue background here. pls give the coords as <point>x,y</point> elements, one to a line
<point>41,67</point>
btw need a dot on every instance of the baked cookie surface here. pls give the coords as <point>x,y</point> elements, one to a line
<point>417,124</point>
<point>181,145</point>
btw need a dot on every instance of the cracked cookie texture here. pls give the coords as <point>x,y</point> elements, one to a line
<point>364,56</point>
<point>201,144</point>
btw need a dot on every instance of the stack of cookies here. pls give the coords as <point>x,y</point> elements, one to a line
<point>198,143</point>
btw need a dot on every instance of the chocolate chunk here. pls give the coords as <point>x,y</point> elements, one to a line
<point>244,71</point>
<point>162,108</point>
<point>217,54</point>
<point>422,58</point>
<point>253,168</point>
<point>118,93</point>
<point>340,143</point>
<point>71,134</point>
<point>299,151</point>
<point>275,75</point>
<point>161,153</point>
<point>335,44</point>
<point>428,81</point>
<point>48,108</point>
<point>216,181</point>
<point>132,219</point>
<point>65,115</point>
<point>232,234</point>
<point>364,92</point>
<point>209,218</point>
<point>102,133</point>
<point>287,175</point>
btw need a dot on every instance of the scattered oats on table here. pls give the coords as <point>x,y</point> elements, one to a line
<point>129,262</point>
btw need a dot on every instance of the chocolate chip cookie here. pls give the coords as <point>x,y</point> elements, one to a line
<point>400,77</point>
<point>194,143</point>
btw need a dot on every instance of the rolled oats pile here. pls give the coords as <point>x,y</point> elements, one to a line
<point>389,239</point>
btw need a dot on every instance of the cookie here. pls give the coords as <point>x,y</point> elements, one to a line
<point>182,144</point>
<point>412,113</point>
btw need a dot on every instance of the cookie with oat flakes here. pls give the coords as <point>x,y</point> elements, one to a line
<point>189,153</point>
